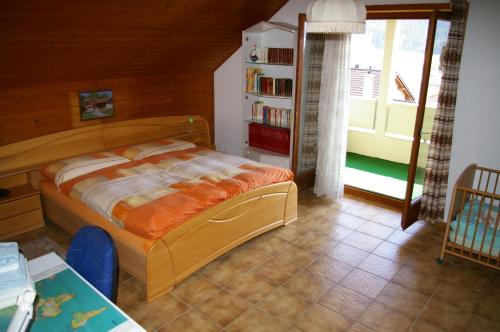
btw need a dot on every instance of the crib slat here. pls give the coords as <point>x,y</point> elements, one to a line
<point>485,235</point>
<point>459,219</point>
<point>480,179</point>
<point>478,219</point>
<point>467,222</point>
<point>493,239</point>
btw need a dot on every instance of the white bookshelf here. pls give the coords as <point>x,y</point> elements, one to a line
<point>270,35</point>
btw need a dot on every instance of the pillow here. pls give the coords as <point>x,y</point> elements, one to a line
<point>141,151</point>
<point>67,169</point>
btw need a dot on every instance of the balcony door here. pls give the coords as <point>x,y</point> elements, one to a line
<point>431,79</point>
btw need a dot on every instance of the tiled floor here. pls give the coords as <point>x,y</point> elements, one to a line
<point>341,267</point>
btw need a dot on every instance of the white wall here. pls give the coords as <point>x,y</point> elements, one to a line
<point>228,115</point>
<point>477,122</point>
<point>476,132</point>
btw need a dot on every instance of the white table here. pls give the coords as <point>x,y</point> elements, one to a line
<point>50,264</point>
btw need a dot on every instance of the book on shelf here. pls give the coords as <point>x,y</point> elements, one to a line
<point>272,55</point>
<point>278,117</point>
<point>260,84</point>
<point>269,138</point>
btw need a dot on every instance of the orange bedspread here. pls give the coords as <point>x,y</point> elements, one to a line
<point>154,195</point>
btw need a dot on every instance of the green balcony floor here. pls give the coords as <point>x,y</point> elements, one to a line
<point>380,176</point>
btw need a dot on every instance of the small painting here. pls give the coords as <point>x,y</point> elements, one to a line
<point>96,105</point>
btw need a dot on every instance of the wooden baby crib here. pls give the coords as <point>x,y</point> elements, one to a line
<point>472,230</point>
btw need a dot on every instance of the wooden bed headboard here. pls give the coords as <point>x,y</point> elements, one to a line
<point>28,155</point>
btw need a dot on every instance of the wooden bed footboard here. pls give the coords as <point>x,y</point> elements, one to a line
<point>227,225</point>
<point>163,263</point>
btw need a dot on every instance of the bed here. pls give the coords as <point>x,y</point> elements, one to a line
<point>164,261</point>
<point>472,230</point>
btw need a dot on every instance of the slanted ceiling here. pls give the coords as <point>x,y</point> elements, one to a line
<point>72,40</point>
<point>157,56</point>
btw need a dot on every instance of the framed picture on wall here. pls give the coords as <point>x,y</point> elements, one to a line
<point>96,105</point>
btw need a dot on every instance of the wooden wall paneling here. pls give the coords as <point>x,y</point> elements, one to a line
<point>53,40</point>
<point>158,57</point>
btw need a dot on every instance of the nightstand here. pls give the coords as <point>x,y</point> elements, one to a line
<point>20,211</point>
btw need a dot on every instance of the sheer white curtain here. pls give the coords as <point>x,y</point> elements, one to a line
<point>333,116</point>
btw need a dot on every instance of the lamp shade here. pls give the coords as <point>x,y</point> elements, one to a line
<point>336,16</point>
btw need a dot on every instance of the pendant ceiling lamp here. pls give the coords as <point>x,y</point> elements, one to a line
<point>336,16</point>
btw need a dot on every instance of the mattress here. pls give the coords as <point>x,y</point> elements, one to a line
<point>485,231</point>
<point>152,196</point>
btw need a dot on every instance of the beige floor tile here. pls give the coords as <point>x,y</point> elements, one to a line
<point>123,276</point>
<point>157,313</point>
<point>333,230</point>
<point>376,230</point>
<point>431,249</point>
<point>348,254</point>
<point>403,299</point>
<point>277,271</point>
<point>222,271</point>
<point>420,282</point>
<point>316,242</point>
<point>426,264</point>
<point>380,266</point>
<point>362,241</point>
<point>320,319</point>
<point>365,212</point>
<point>446,316</point>
<point>269,243</point>
<point>255,320</point>
<point>482,324</point>
<point>191,321</point>
<point>330,268</point>
<point>489,305</point>
<point>130,292</point>
<point>284,305</point>
<point>405,239</point>
<point>461,297</point>
<point>388,218</point>
<point>349,220</point>
<point>309,285</point>
<point>466,277</point>
<point>290,232</point>
<point>356,327</point>
<point>365,283</point>
<point>311,219</point>
<point>297,256</point>
<point>222,308</point>
<point>420,229</point>
<point>423,326</point>
<point>247,256</point>
<point>251,287</point>
<point>195,289</point>
<point>380,317</point>
<point>345,302</point>
<point>394,252</point>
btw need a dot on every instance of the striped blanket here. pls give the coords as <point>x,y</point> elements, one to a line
<point>151,196</point>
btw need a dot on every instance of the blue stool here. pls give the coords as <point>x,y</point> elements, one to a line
<point>93,255</point>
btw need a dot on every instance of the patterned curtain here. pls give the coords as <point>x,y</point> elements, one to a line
<point>438,159</point>
<point>315,44</point>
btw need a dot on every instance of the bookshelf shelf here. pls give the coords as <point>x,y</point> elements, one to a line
<point>270,153</point>
<point>269,70</point>
<point>269,64</point>
<point>264,95</point>
<point>267,124</point>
